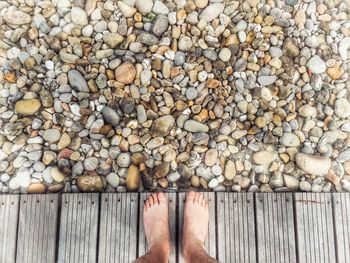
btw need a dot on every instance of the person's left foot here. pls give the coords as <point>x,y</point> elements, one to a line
<point>156,223</point>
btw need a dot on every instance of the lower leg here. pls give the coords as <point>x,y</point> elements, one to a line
<point>195,229</point>
<point>153,255</point>
<point>155,220</point>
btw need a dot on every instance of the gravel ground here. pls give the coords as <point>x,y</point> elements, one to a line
<point>140,95</point>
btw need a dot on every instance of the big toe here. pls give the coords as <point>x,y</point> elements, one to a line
<point>191,196</point>
<point>162,198</point>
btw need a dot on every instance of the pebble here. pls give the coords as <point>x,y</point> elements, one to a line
<point>316,65</point>
<point>160,8</point>
<point>113,179</point>
<point>144,6</point>
<point>264,157</point>
<point>51,135</point>
<point>124,160</point>
<point>211,12</point>
<point>90,164</point>
<point>125,73</point>
<point>230,170</point>
<point>110,116</point>
<point>195,126</point>
<point>89,182</point>
<point>211,157</point>
<point>163,125</point>
<point>28,107</point>
<point>133,178</point>
<point>17,17</point>
<point>79,16</point>
<point>342,108</point>
<point>266,80</point>
<point>77,81</point>
<point>290,140</point>
<point>225,54</point>
<point>180,58</point>
<point>160,25</point>
<point>313,164</point>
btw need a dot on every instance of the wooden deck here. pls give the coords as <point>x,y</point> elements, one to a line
<point>84,228</point>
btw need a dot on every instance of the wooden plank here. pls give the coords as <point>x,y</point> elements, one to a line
<point>172,226</point>
<point>314,223</point>
<point>9,205</point>
<point>118,228</point>
<point>235,227</point>
<point>210,242</point>
<point>275,227</point>
<point>341,210</point>
<point>78,228</point>
<point>37,229</point>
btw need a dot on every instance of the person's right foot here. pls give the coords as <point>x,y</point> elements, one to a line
<point>156,225</point>
<point>196,222</point>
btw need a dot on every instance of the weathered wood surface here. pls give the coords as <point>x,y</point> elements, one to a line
<point>314,221</point>
<point>118,228</point>
<point>8,227</point>
<point>37,228</point>
<point>235,227</point>
<point>78,228</point>
<point>341,210</point>
<point>275,228</point>
<point>244,227</point>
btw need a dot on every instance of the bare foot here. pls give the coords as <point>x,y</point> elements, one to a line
<point>196,221</point>
<point>156,224</point>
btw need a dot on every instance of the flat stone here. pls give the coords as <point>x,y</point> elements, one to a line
<point>28,107</point>
<point>91,163</point>
<point>77,81</point>
<point>316,65</point>
<point>160,25</point>
<point>163,125</point>
<point>144,6</point>
<point>57,175</point>
<point>266,80</point>
<point>79,16</point>
<point>342,108</point>
<point>125,73</point>
<point>36,188</point>
<point>17,17</point>
<point>89,182</point>
<point>313,164</point>
<point>52,135</point>
<point>113,179</point>
<point>230,170</point>
<point>211,157</point>
<point>133,178</point>
<point>290,140</point>
<point>211,12</point>
<point>125,9</point>
<point>110,116</point>
<point>291,182</point>
<point>160,8</point>
<point>264,157</point>
<point>195,126</point>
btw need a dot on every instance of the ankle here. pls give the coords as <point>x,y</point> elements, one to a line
<point>160,251</point>
<point>191,249</point>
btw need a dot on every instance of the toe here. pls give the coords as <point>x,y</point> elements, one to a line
<point>203,202</point>
<point>206,206</point>
<point>147,205</point>
<point>196,199</point>
<point>161,197</point>
<point>190,196</point>
<point>200,198</point>
<point>150,200</point>
<point>155,198</point>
